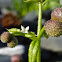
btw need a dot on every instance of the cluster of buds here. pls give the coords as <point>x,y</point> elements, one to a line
<point>53,27</point>
<point>8,38</point>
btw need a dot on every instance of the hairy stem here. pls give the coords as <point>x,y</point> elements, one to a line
<point>39,55</point>
<point>39,18</point>
<point>39,29</point>
<point>44,2</point>
<point>30,53</point>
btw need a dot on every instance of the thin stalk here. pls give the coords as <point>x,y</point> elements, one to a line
<point>44,2</point>
<point>39,55</point>
<point>39,18</point>
<point>39,51</point>
<point>41,32</point>
<point>38,31</point>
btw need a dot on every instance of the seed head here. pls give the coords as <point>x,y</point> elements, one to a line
<point>12,43</point>
<point>57,14</point>
<point>5,37</point>
<point>53,28</point>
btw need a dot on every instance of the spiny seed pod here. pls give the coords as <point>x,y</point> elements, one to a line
<point>12,43</point>
<point>5,37</point>
<point>57,14</point>
<point>53,28</point>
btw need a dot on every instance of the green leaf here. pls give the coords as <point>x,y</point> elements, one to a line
<point>45,35</point>
<point>30,53</point>
<point>31,35</point>
<point>35,51</point>
<point>16,32</point>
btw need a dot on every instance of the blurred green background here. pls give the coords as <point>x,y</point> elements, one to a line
<point>24,7</point>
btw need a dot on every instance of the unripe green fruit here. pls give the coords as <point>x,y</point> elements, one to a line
<point>57,14</point>
<point>12,43</point>
<point>5,37</point>
<point>53,28</point>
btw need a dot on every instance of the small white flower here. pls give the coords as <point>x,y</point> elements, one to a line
<point>24,30</point>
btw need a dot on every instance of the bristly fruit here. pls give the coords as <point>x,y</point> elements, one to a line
<point>53,28</point>
<point>12,43</point>
<point>57,14</point>
<point>5,37</point>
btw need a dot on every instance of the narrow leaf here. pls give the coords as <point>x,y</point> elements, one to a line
<point>30,53</point>
<point>35,51</point>
<point>45,34</point>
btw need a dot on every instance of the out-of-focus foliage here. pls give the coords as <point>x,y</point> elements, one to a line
<point>51,4</point>
<point>31,0</point>
<point>24,7</point>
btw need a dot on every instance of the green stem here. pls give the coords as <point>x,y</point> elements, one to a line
<point>39,18</point>
<point>41,32</point>
<point>39,55</point>
<point>39,51</point>
<point>44,2</point>
<point>39,29</point>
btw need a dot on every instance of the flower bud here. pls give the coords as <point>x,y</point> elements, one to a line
<point>5,37</point>
<point>12,43</point>
<point>57,14</point>
<point>53,28</point>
